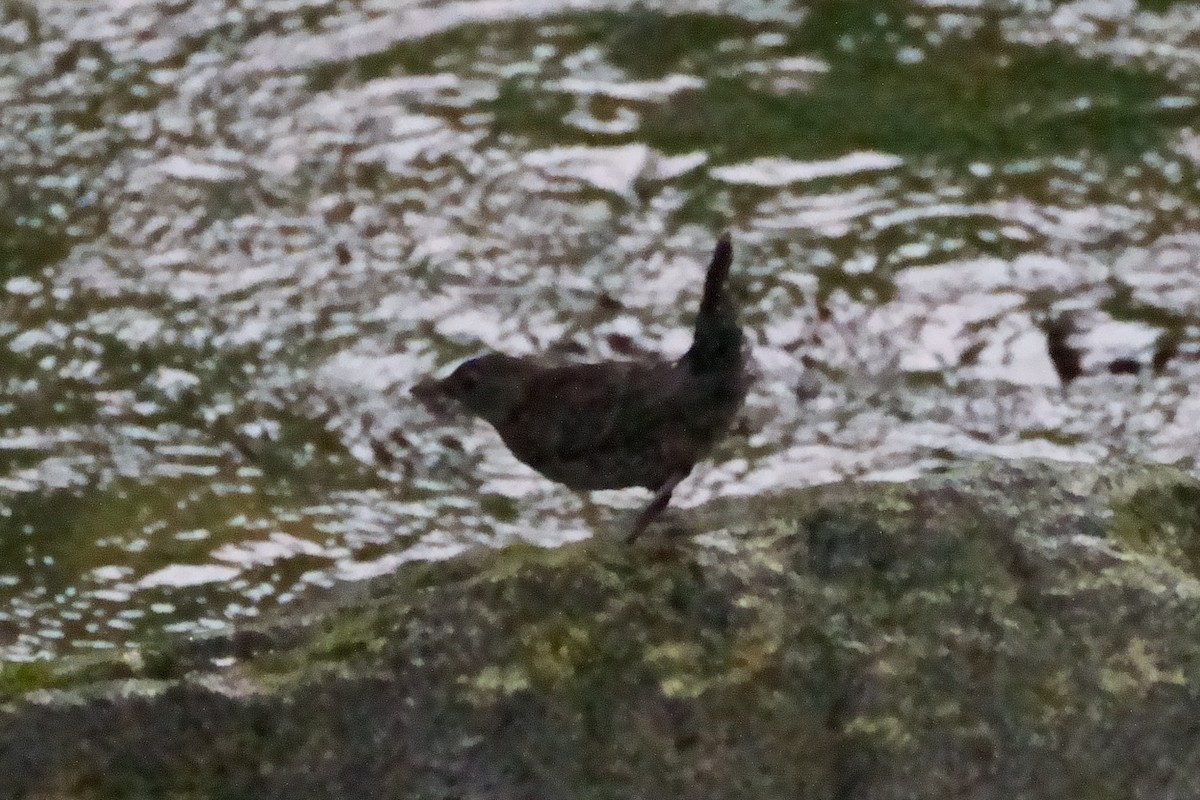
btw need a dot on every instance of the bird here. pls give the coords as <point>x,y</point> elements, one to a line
<point>614,424</point>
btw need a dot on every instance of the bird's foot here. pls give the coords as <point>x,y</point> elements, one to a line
<point>667,526</point>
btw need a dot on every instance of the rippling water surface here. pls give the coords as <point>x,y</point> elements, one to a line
<point>233,234</point>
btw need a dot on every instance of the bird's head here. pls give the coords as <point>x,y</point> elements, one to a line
<point>489,387</point>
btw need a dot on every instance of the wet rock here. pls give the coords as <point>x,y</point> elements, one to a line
<point>1008,630</point>
<point>1066,358</point>
<point>1124,366</point>
<point>1165,350</point>
<point>844,542</point>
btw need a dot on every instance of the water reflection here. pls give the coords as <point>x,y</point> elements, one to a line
<point>233,237</point>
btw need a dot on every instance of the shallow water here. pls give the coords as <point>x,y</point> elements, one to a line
<point>235,234</point>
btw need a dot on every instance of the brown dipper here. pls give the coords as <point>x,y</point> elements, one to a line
<point>614,424</point>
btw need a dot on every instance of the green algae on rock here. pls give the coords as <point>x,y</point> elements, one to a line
<point>1006,630</point>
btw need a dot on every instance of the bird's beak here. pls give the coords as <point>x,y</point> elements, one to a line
<point>431,393</point>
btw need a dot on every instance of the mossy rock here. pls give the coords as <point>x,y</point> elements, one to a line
<point>1006,630</point>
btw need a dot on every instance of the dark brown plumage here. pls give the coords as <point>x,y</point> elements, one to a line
<point>614,424</point>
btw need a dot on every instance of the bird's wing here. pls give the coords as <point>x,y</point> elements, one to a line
<point>583,421</point>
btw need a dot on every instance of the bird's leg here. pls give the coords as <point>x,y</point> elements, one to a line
<point>661,498</point>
